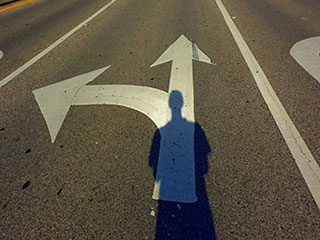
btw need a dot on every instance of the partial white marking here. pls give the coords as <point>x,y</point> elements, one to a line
<point>307,54</point>
<point>1,54</point>
<point>173,183</point>
<point>51,47</point>
<point>153,213</point>
<point>305,161</point>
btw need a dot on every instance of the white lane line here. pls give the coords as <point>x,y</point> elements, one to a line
<point>306,163</point>
<point>52,46</point>
<point>1,54</point>
<point>307,54</point>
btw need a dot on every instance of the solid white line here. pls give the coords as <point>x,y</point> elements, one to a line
<point>51,47</point>
<point>1,54</point>
<point>306,163</point>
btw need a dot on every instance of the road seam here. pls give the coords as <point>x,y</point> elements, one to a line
<point>303,157</point>
<point>51,47</point>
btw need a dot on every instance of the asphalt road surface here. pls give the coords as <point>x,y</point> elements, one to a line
<point>88,171</point>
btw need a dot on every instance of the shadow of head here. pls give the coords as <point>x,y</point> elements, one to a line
<point>176,100</point>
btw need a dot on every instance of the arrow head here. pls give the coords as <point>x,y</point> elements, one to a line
<point>55,100</point>
<point>182,49</point>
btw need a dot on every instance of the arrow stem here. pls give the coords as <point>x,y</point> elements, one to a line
<point>181,80</point>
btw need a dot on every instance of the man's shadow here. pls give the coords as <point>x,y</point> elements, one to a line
<point>176,220</point>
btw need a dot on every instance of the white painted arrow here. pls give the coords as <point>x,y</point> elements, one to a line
<point>1,54</point>
<point>181,53</point>
<point>175,177</point>
<point>307,54</point>
<point>55,100</point>
<point>175,180</point>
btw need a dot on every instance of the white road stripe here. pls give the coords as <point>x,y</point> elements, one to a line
<point>308,166</point>
<point>1,54</point>
<point>51,47</point>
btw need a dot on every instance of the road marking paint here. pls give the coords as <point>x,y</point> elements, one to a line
<point>175,177</point>
<point>174,182</point>
<point>305,161</point>
<point>16,5</point>
<point>52,46</point>
<point>1,54</point>
<point>307,54</point>
<point>55,100</point>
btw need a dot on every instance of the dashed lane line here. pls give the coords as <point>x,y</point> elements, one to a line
<point>51,47</point>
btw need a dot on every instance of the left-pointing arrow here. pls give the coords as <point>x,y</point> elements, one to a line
<point>55,100</point>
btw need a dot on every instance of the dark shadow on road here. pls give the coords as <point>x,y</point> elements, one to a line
<point>176,220</point>
<point>6,2</point>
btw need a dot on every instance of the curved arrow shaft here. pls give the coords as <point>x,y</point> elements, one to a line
<point>150,101</point>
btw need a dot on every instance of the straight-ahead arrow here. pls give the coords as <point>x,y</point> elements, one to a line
<point>175,178</point>
<point>181,53</point>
